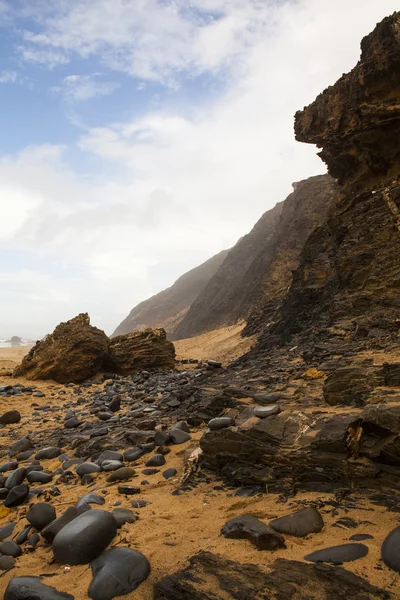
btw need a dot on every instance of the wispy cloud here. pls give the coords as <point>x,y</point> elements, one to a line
<point>9,77</point>
<point>78,88</point>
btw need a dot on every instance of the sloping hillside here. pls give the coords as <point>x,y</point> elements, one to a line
<point>257,272</point>
<point>168,308</point>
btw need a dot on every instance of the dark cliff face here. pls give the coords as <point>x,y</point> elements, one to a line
<point>257,272</point>
<point>168,308</point>
<point>220,302</point>
<point>350,267</point>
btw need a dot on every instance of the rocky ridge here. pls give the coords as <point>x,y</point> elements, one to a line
<point>169,307</point>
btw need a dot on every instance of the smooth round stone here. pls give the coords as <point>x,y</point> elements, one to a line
<point>72,423</point>
<point>17,495</point>
<point>70,414</point>
<point>105,416</point>
<point>109,455</point>
<point>360,537</point>
<point>10,548</point>
<point>34,539</point>
<point>31,588</point>
<point>168,473</point>
<point>23,536</point>
<point>15,478</point>
<point>50,531</point>
<point>86,468</point>
<point>121,474</point>
<point>123,515</point>
<point>50,452</point>
<point>111,465</point>
<point>220,423</point>
<point>157,460</point>
<point>182,425</point>
<point>91,498</point>
<point>8,466</point>
<point>139,503</point>
<point>10,417</point>
<point>84,538</point>
<point>41,514</point>
<point>338,554</point>
<point>133,455</point>
<point>391,550</point>
<point>161,438</point>
<point>301,523</point>
<point>25,455</point>
<point>118,572</point>
<point>266,411</point>
<point>4,493</point>
<point>6,531</point>
<point>39,477</point>
<point>178,436</point>
<point>7,563</point>
<point>33,468</point>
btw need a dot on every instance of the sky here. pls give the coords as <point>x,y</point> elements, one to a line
<point>141,137</point>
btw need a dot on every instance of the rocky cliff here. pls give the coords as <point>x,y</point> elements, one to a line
<point>169,307</point>
<point>350,267</point>
<point>256,274</point>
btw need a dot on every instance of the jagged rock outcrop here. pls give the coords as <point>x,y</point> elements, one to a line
<point>74,352</point>
<point>210,576</point>
<point>169,307</point>
<point>141,350</point>
<point>255,275</point>
<point>350,266</point>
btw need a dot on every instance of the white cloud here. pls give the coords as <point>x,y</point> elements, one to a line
<point>172,187</point>
<point>9,77</point>
<point>78,88</point>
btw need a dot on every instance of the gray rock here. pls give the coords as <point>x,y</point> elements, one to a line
<point>50,452</point>
<point>10,417</point>
<point>258,533</point>
<point>220,423</point>
<point>301,523</point>
<point>10,548</point>
<point>17,495</point>
<point>265,411</point>
<point>178,436</point>
<point>338,554</point>
<point>86,468</point>
<point>41,514</point>
<point>15,478</point>
<point>7,563</point>
<point>121,474</point>
<point>157,460</point>
<point>6,531</point>
<point>50,531</point>
<point>161,438</point>
<point>391,550</point>
<point>31,588</point>
<point>123,515</point>
<point>117,572</point>
<point>84,539</point>
<point>168,473</point>
<point>39,477</point>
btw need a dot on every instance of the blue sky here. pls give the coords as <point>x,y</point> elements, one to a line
<point>140,137</point>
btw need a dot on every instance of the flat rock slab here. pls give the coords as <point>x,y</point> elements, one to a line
<point>210,577</point>
<point>339,554</point>
<point>84,539</point>
<point>117,572</point>
<point>391,550</point>
<point>301,523</point>
<point>258,533</point>
<point>31,588</point>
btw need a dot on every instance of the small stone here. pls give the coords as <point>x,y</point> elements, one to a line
<point>301,523</point>
<point>10,548</point>
<point>10,417</point>
<point>258,533</point>
<point>178,436</point>
<point>50,531</point>
<point>168,473</point>
<point>338,554</point>
<point>157,460</point>
<point>391,550</point>
<point>265,411</point>
<point>123,515</point>
<point>50,452</point>
<point>133,455</point>
<point>15,478</point>
<point>360,537</point>
<point>117,572</point>
<point>31,588</point>
<point>128,490</point>
<point>84,538</point>
<point>86,468</point>
<point>7,563</point>
<point>41,514</point>
<point>161,438</point>
<point>17,495</point>
<point>121,474</point>
<point>72,423</point>
<point>39,477</point>
<point>6,531</point>
<point>111,465</point>
<point>221,423</point>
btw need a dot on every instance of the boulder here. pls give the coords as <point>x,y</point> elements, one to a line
<point>141,350</point>
<point>301,523</point>
<point>117,572</point>
<point>74,352</point>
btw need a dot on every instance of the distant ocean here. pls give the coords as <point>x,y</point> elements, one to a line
<point>9,345</point>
